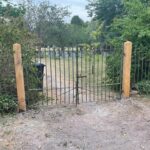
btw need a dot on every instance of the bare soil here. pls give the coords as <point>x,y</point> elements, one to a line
<point>121,125</point>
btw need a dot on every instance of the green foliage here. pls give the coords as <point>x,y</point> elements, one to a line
<point>8,104</point>
<point>76,20</point>
<point>82,34</point>
<point>120,21</point>
<point>34,97</point>
<point>144,87</point>
<point>134,26</point>
<point>47,21</point>
<point>14,30</point>
<point>92,31</point>
<point>113,64</point>
<point>11,32</point>
<point>77,35</point>
<point>9,10</point>
<point>105,10</point>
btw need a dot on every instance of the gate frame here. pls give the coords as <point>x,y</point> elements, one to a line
<point>126,76</point>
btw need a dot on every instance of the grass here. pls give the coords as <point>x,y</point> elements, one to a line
<point>61,76</point>
<point>90,69</point>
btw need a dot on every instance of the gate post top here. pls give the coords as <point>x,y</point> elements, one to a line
<point>16,46</point>
<point>128,43</point>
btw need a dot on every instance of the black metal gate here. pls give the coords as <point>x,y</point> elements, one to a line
<point>77,74</point>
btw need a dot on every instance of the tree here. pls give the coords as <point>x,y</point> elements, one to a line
<point>133,26</point>
<point>105,11</point>
<point>93,31</point>
<point>77,35</point>
<point>48,23</point>
<point>9,10</point>
<point>13,30</point>
<point>121,20</point>
<point>76,20</point>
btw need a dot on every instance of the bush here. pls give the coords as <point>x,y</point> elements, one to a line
<point>7,104</point>
<point>114,68</point>
<point>14,31</point>
<point>144,87</point>
<point>131,25</point>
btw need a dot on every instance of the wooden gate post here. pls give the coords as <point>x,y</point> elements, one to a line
<point>127,69</point>
<point>19,77</point>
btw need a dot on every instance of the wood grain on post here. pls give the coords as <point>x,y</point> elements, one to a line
<point>19,77</point>
<point>127,69</point>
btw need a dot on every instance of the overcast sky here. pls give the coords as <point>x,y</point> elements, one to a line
<point>76,7</point>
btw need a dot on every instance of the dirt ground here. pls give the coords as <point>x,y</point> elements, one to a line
<point>121,125</point>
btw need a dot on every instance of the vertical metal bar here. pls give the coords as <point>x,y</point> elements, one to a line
<point>46,75</point>
<point>149,68</point>
<point>90,72</point>
<point>113,81</point>
<point>69,71</point>
<point>138,66</point>
<point>60,74</point>
<point>64,59</point>
<point>102,75</point>
<point>94,74</point>
<point>121,73</point>
<point>116,85</point>
<point>73,72</point>
<point>98,69</point>
<point>40,57</point>
<point>77,79</point>
<point>86,72</point>
<point>148,71</point>
<point>110,49</point>
<point>51,75</point>
<point>55,75</point>
<point>27,83</point>
<point>142,66</point>
<point>134,58</point>
<point>145,64</point>
<point>81,74</point>
<point>106,49</point>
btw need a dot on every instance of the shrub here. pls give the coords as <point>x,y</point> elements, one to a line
<point>14,30</point>
<point>114,68</point>
<point>132,25</point>
<point>7,104</point>
<point>144,87</point>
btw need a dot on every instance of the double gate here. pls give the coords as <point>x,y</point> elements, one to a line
<point>77,74</point>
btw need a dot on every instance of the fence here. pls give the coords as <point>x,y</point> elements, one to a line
<point>76,75</point>
<point>141,71</point>
<point>73,75</point>
<point>7,75</point>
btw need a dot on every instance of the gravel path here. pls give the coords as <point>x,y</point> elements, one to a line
<point>122,125</point>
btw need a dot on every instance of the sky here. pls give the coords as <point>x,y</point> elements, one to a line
<point>76,7</point>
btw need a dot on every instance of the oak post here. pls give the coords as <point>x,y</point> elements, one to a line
<point>127,69</point>
<point>19,77</point>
